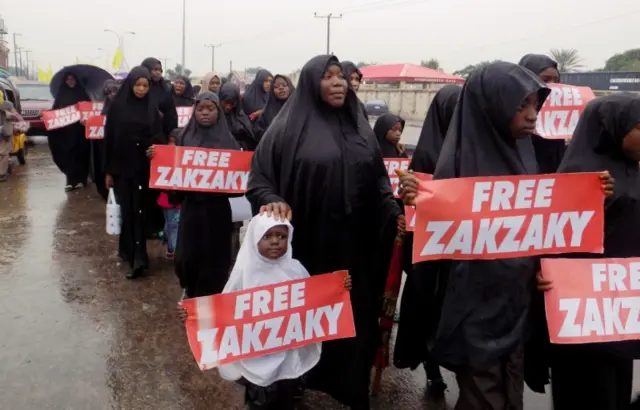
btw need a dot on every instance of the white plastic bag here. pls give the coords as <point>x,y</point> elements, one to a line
<point>114,220</point>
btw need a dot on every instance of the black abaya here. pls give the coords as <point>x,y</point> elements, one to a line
<point>349,68</point>
<point>162,97</point>
<point>272,108</point>
<point>255,97</point>
<point>326,164</point>
<point>69,147</point>
<point>600,375</point>
<point>203,254</point>
<point>97,146</point>
<point>133,125</point>
<point>237,121</point>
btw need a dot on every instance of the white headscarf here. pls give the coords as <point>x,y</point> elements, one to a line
<point>207,79</point>
<point>253,270</point>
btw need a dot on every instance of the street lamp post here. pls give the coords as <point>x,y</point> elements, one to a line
<point>184,31</point>
<point>26,67</point>
<point>120,37</point>
<point>106,58</point>
<point>15,51</point>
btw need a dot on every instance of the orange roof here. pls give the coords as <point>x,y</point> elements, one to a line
<point>407,72</point>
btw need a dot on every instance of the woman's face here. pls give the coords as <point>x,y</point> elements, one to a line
<point>215,84</point>
<point>354,80</point>
<point>394,134</point>
<point>550,75</point>
<point>523,122</point>
<point>156,72</point>
<point>631,144</point>
<point>281,88</point>
<point>333,86</point>
<point>178,86</point>
<point>266,85</point>
<point>70,81</point>
<point>141,87</point>
<point>206,113</point>
<point>228,106</point>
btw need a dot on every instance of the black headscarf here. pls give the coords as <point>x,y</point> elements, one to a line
<point>272,108</point>
<point>434,129</point>
<point>186,98</point>
<point>549,152</point>
<point>68,96</point>
<point>215,136</point>
<point>239,124</point>
<point>485,308</point>
<point>110,88</point>
<point>255,97</point>
<point>162,97</point>
<point>383,124</point>
<point>349,68</point>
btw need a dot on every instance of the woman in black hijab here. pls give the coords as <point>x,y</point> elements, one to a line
<point>161,95</point>
<point>182,92</point>
<point>484,318</point>
<point>203,254</point>
<point>388,129</point>
<point>280,91</point>
<point>549,152</point>
<point>69,147</point>
<point>354,76</point>
<point>319,165</point>
<point>607,138</point>
<point>239,124</point>
<point>256,94</point>
<point>133,125</point>
<point>110,88</point>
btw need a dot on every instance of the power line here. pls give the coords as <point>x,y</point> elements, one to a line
<point>329,17</point>
<point>381,4</point>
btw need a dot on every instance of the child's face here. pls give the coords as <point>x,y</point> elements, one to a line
<point>274,243</point>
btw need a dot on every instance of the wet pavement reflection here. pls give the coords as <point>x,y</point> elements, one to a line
<point>75,334</point>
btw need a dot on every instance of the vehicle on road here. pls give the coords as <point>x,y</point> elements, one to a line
<point>34,98</point>
<point>376,108</point>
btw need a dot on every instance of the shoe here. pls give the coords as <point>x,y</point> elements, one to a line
<point>3,178</point>
<point>134,273</point>
<point>436,388</point>
<point>169,255</point>
<point>78,185</point>
<point>68,188</point>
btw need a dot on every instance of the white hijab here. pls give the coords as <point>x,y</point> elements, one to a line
<point>253,270</point>
<point>207,79</point>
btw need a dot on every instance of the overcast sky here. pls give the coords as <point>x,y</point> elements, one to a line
<point>282,35</point>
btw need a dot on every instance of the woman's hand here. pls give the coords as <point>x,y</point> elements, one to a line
<point>108,181</point>
<point>151,152</point>
<point>257,114</point>
<point>544,285</point>
<point>161,114</point>
<point>347,282</point>
<point>182,313</point>
<point>408,186</point>
<point>279,210</point>
<point>401,148</point>
<point>607,183</point>
<point>402,224</point>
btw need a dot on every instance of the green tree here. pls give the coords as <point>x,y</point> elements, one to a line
<point>465,72</point>
<point>626,61</point>
<point>172,73</point>
<point>365,63</point>
<point>432,63</point>
<point>568,59</point>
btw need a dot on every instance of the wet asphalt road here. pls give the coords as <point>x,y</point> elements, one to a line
<point>76,335</point>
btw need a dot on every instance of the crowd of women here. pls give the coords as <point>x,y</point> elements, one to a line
<point>318,164</point>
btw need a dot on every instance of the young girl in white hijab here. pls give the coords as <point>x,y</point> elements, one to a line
<point>265,258</point>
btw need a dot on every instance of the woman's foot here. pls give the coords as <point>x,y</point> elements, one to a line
<point>68,188</point>
<point>134,273</point>
<point>169,255</point>
<point>436,388</point>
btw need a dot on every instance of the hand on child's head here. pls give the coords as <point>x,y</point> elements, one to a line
<point>275,242</point>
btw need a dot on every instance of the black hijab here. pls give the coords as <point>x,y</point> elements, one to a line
<point>239,124</point>
<point>128,109</point>
<point>273,106</point>
<point>485,309</point>
<point>162,97</point>
<point>349,68</point>
<point>68,96</point>
<point>383,124</point>
<point>549,152</point>
<point>216,136</point>
<point>186,98</point>
<point>434,129</point>
<point>110,88</point>
<point>255,97</point>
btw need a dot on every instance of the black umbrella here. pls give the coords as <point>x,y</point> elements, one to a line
<point>92,78</point>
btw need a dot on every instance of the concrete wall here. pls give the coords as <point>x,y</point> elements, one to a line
<point>409,104</point>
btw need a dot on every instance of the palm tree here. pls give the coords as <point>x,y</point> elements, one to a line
<point>568,59</point>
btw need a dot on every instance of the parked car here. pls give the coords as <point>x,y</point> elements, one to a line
<point>35,98</point>
<point>376,107</point>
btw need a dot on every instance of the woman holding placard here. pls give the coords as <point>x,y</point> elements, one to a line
<point>607,138</point>
<point>320,166</point>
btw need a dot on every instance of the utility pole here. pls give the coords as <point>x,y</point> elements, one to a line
<point>20,60</point>
<point>328,17</point>
<point>15,50</point>
<point>27,62</point>
<point>184,31</point>
<point>230,66</point>
<point>213,54</point>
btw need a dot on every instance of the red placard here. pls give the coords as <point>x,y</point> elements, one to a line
<point>229,327</point>
<point>89,109</point>
<point>184,114</point>
<point>392,164</point>
<point>94,127</point>
<point>61,118</point>
<point>508,217</point>
<point>200,169</point>
<point>592,300</point>
<point>562,110</point>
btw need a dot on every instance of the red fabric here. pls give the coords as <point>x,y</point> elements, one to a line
<point>163,201</point>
